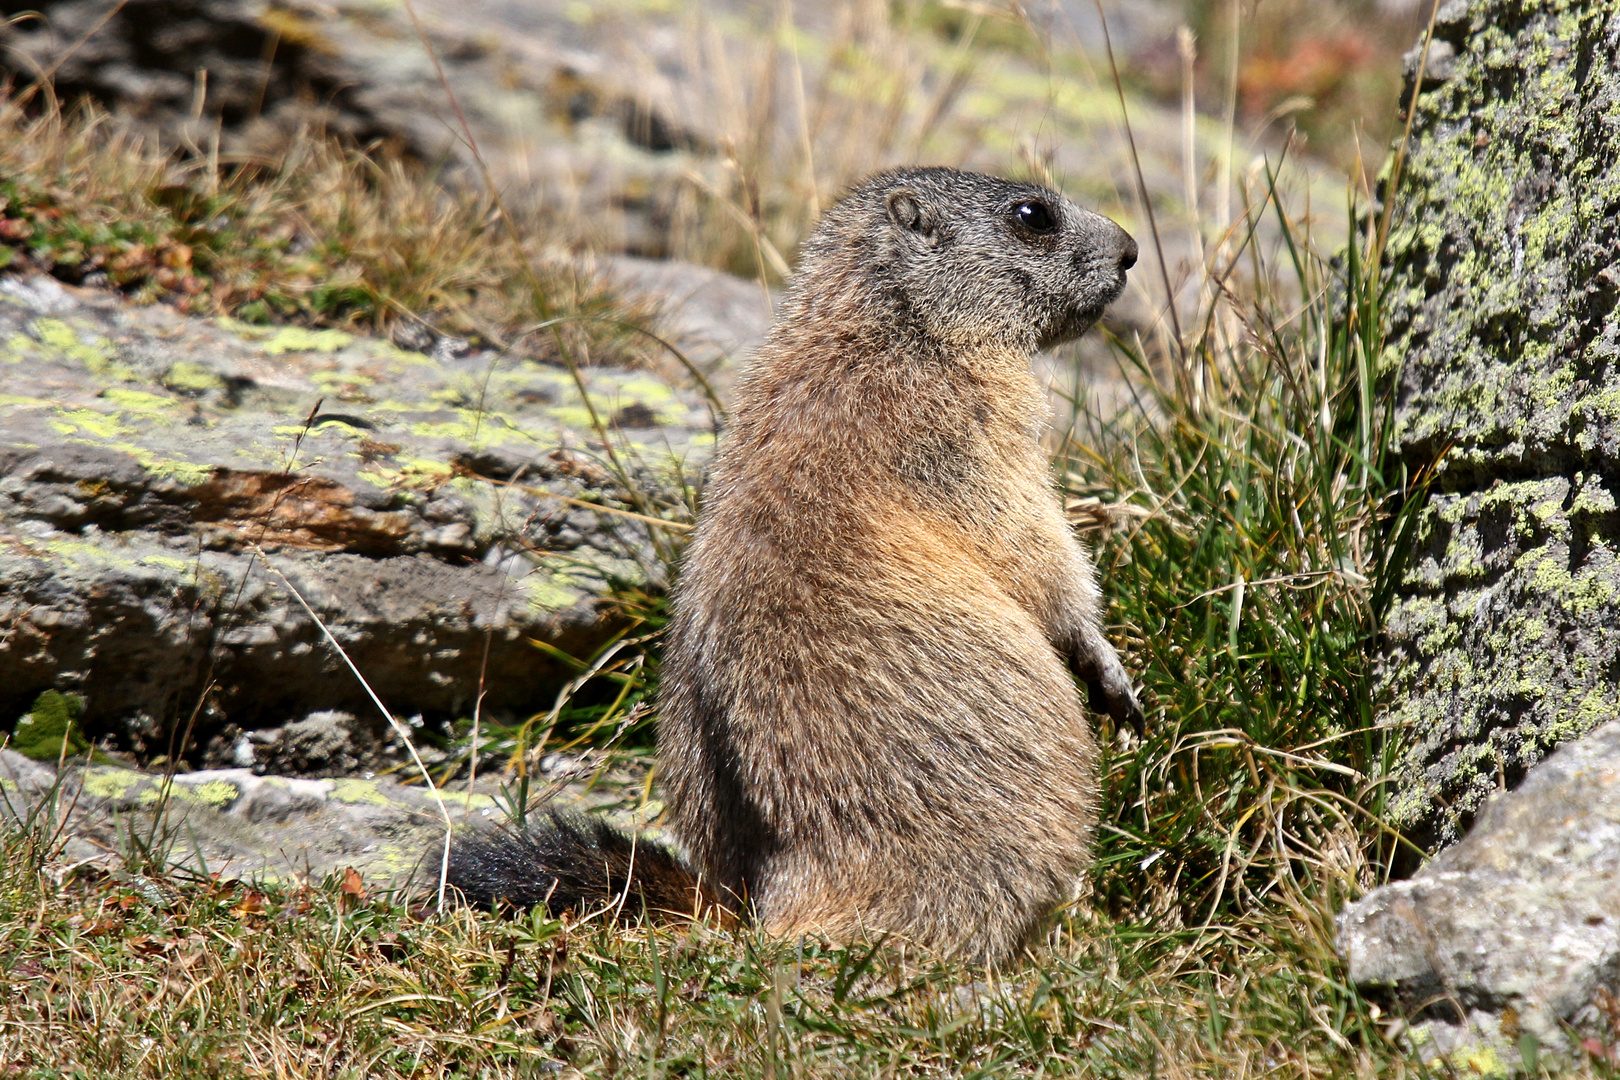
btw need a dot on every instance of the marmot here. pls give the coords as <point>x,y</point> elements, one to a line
<point>868,722</point>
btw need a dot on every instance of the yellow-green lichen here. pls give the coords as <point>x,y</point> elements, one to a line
<point>462,431</point>
<point>551,594</point>
<point>19,347</point>
<point>185,377</point>
<point>646,391</point>
<point>111,783</point>
<point>95,355</point>
<point>466,800</point>
<point>1592,498</point>
<point>215,793</point>
<point>327,379</point>
<point>350,790</point>
<point>1596,706</point>
<point>301,339</point>
<point>574,416</point>
<point>89,422</point>
<point>182,472</point>
<point>424,467</point>
<point>138,400</point>
<point>1480,1060</point>
<point>186,473</point>
<point>387,350</point>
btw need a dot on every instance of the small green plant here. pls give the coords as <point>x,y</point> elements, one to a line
<point>50,730</point>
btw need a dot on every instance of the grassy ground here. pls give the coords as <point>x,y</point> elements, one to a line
<point>128,976</point>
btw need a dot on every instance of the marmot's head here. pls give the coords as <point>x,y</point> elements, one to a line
<point>968,259</point>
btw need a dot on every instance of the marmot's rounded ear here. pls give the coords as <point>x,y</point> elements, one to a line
<point>911,214</point>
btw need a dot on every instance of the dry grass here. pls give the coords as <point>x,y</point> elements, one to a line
<point>795,116</point>
<point>1328,67</point>
<point>800,119</point>
<point>322,235</point>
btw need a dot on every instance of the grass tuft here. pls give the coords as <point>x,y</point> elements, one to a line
<point>1264,525</point>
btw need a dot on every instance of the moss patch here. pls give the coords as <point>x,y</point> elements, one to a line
<point>50,729</point>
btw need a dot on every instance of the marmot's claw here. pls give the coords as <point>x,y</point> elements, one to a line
<point>1098,664</point>
<point>1112,694</point>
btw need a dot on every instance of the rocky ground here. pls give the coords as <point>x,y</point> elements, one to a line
<point>241,823</point>
<point>1506,947</point>
<point>698,133</point>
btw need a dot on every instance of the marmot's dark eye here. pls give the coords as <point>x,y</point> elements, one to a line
<point>1035,216</point>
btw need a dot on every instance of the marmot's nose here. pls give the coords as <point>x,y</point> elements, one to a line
<point>1127,253</point>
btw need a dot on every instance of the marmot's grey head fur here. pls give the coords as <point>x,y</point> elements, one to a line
<point>966,259</point>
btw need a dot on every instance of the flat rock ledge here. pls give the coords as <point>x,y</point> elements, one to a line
<point>281,829</point>
<point>1507,945</point>
<point>174,490</point>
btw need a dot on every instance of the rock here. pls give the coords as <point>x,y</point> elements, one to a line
<point>325,743</point>
<point>1514,931</point>
<point>1504,640</point>
<point>271,69</point>
<point>167,482</point>
<point>239,824</point>
<point>716,320</point>
<point>548,113</point>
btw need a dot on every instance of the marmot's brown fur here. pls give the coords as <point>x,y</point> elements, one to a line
<point>868,722</point>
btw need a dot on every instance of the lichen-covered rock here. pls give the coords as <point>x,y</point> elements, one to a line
<point>239,824</point>
<point>1510,938</point>
<point>1505,273</point>
<point>168,482</point>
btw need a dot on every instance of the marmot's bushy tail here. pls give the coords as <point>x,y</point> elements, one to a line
<point>571,862</point>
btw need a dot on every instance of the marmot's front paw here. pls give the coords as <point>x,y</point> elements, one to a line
<point>1098,664</point>
<point>1111,692</point>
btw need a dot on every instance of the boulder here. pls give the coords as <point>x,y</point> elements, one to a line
<point>1507,944</point>
<point>1504,640</point>
<point>712,319</point>
<point>175,490</point>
